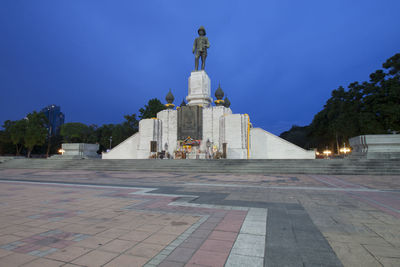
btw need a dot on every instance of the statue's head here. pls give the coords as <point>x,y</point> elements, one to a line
<point>201,31</point>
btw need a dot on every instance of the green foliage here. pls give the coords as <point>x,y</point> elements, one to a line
<point>53,144</point>
<point>131,123</point>
<point>363,108</point>
<point>104,133</point>
<point>36,131</point>
<point>151,109</point>
<point>76,132</point>
<point>79,132</point>
<point>6,147</point>
<point>298,135</point>
<point>31,132</point>
<point>15,132</point>
<point>118,132</point>
<point>367,108</point>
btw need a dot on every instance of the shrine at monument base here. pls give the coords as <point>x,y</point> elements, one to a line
<point>199,130</point>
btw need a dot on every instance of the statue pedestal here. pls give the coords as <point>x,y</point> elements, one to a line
<point>199,89</point>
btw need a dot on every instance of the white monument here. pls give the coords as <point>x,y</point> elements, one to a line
<point>200,130</point>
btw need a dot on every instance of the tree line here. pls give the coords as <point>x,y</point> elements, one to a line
<point>30,135</point>
<point>370,107</point>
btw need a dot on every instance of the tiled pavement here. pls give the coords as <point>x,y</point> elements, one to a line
<point>168,219</point>
<point>59,225</point>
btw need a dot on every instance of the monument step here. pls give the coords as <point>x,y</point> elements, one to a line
<point>319,166</point>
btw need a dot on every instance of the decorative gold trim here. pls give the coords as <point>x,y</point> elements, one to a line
<point>248,135</point>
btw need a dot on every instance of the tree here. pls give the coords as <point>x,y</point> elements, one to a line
<point>131,123</point>
<point>298,135</point>
<point>6,146</point>
<point>16,130</point>
<point>151,109</point>
<point>104,133</point>
<point>36,131</point>
<point>53,144</point>
<point>363,108</point>
<point>76,132</point>
<point>118,132</point>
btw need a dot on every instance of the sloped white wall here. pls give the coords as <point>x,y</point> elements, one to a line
<point>125,150</point>
<point>265,145</point>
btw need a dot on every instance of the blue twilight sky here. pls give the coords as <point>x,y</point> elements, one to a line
<point>277,60</point>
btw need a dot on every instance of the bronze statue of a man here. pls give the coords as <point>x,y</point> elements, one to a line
<point>200,48</point>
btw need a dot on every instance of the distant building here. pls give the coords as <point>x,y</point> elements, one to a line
<point>55,117</point>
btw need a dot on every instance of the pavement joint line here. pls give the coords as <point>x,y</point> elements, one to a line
<point>254,231</point>
<point>142,191</point>
<point>68,184</point>
<point>207,206</point>
<point>324,181</point>
<point>208,184</point>
<point>375,202</point>
<point>145,192</point>
<point>169,211</point>
<point>163,254</point>
<point>294,187</point>
<point>345,182</point>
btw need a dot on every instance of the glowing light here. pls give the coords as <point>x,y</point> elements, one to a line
<point>61,151</point>
<point>345,150</point>
<point>327,152</point>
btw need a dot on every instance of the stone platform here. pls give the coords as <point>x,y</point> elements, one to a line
<point>318,166</point>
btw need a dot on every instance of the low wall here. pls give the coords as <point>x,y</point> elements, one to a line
<point>80,150</point>
<point>376,146</point>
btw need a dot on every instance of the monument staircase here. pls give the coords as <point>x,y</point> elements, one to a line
<point>262,166</point>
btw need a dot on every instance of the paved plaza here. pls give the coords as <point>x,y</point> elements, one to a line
<point>100,218</point>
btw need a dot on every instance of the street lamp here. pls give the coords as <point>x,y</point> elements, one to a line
<point>345,149</point>
<point>327,152</point>
<point>110,141</point>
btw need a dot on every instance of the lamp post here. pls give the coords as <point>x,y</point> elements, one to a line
<point>110,141</point>
<point>208,145</point>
